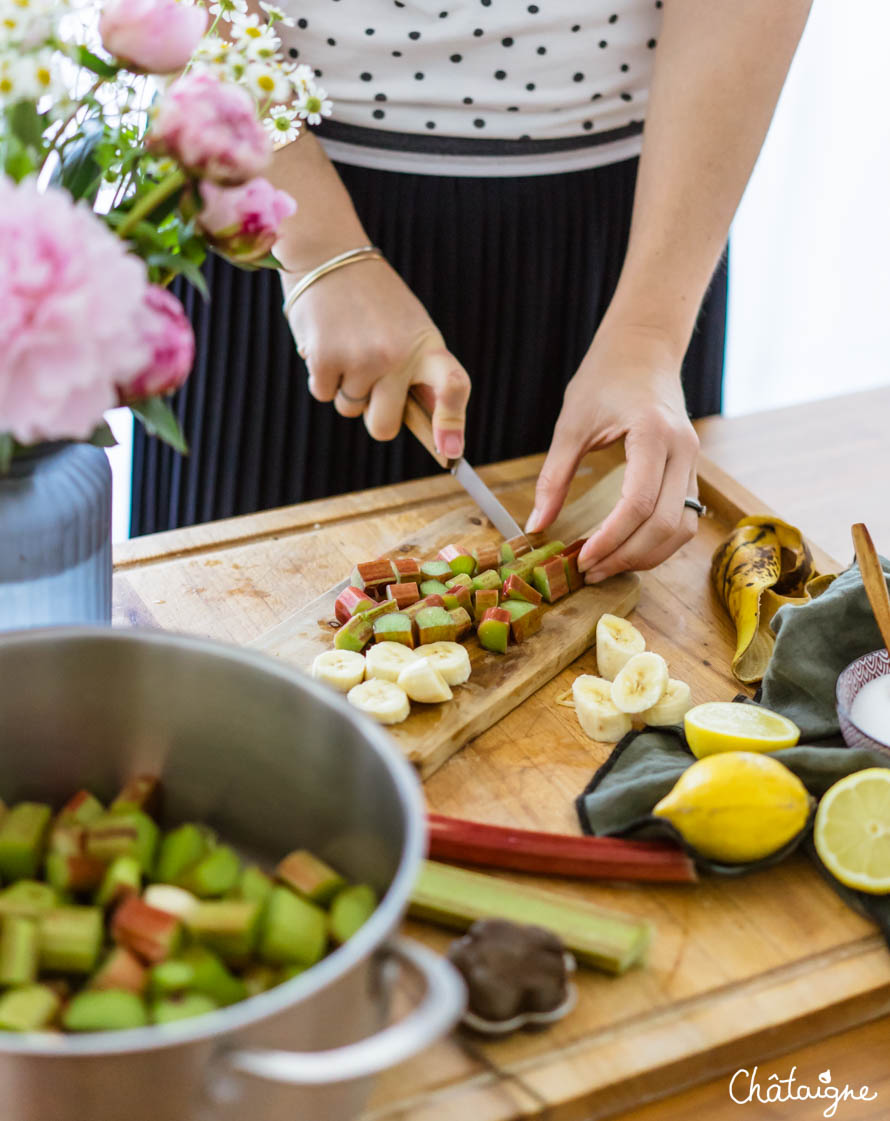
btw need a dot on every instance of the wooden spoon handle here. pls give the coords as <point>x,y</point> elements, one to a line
<point>873,578</point>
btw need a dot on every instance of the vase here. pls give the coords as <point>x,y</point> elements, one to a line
<point>55,537</point>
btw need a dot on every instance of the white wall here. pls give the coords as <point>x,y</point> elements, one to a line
<point>810,247</point>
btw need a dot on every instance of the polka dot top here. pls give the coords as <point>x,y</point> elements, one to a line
<point>421,84</point>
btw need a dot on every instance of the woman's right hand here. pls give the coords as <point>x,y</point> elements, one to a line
<point>367,340</point>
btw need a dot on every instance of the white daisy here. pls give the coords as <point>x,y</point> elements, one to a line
<point>276,15</point>
<point>228,9</point>
<point>262,46</point>
<point>37,75</point>
<point>312,106</point>
<point>282,124</point>
<point>302,77</point>
<point>266,83</point>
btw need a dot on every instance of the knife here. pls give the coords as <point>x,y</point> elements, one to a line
<point>419,422</point>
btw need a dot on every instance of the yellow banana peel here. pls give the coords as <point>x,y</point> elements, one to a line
<point>763,565</point>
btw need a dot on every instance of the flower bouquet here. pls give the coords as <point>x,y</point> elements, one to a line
<point>130,145</point>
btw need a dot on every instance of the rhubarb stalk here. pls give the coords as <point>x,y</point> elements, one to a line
<point>456,898</point>
<point>557,854</point>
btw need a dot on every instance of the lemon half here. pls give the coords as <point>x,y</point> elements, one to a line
<point>719,726</point>
<point>852,830</point>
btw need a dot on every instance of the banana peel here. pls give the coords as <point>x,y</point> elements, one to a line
<point>764,564</point>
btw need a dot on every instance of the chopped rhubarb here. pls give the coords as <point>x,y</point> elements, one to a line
<point>82,809</point>
<point>550,579</point>
<point>180,848</point>
<point>459,560</point>
<point>22,838</point>
<point>310,876</point>
<point>104,1010</point>
<point>28,898</point>
<point>436,570</point>
<point>122,877</point>
<point>169,1010</point>
<point>494,630</point>
<point>374,575</point>
<point>254,884</point>
<point>395,628</point>
<point>487,557</point>
<point>462,580</point>
<point>355,634</point>
<point>141,793</point>
<point>351,909</point>
<point>121,970</point>
<point>433,588</point>
<point>574,576</point>
<point>519,546</point>
<point>228,926</point>
<point>557,854</point>
<point>403,594</point>
<point>463,622</point>
<point>488,579</point>
<point>28,1008</point>
<point>516,588</point>
<point>427,601</point>
<point>213,875</point>
<point>200,970</point>
<point>350,602</point>
<point>19,951</point>
<point>126,833</point>
<point>525,618</point>
<point>458,596</point>
<point>434,624</point>
<point>406,570</point>
<point>70,939</point>
<point>150,933</point>
<point>483,600</point>
<point>73,873</point>
<point>294,931</point>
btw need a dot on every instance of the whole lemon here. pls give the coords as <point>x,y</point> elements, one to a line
<point>736,807</point>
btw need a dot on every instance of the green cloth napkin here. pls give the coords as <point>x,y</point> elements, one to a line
<point>814,643</point>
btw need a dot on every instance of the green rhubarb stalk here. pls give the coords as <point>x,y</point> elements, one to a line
<point>28,1008</point>
<point>122,877</point>
<point>28,898</point>
<point>456,898</point>
<point>171,1009</point>
<point>180,848</point>
<point>22,837</point>
<point>351,909</point>
<point>214,874</point>
<point>254,885</point>
<point>104,1010</point>
<point>294,930</point>
<point>227,926</point>
<point>123,833</point>
<point>70,939</point>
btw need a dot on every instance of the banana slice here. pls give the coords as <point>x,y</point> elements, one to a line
<point>384,701</point>
<point>673,706</point>
<point>597,715</point>
<point>641,683</point>
<point>340,668</point>
<point>174,900</point>
<point>616,643</point>
<point>450,659</point>
<point>386,660</point>
<point>422,682</point>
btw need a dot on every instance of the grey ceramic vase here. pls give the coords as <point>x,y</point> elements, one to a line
<point>55,537</point>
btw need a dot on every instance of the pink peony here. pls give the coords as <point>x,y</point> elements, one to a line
<point>242,222</point>
<point>211,128</point>
<point>70,303</point>
<point>170,341</point>
<point>152,36</point>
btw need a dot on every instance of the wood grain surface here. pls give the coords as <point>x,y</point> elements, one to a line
<point>741,970</point>
<point>498,682</point>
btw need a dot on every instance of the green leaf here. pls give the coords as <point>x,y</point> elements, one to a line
<point>182,266</point>
<point>99,66</point>
<point>159,420</point>
<point>80,171</point>
<point>27,124</point>
<point>18,162</point>
<point>103,437</point>
<point>7,446</point>
<point>270,261</point>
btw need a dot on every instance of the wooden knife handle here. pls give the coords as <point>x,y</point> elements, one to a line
<point>418,421</point>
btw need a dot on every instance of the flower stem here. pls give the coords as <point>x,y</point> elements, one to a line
<point>158,194</point>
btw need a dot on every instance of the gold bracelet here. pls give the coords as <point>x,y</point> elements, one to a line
<point>366,253</point>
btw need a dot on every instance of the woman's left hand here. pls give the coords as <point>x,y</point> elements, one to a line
<point>628,386</point>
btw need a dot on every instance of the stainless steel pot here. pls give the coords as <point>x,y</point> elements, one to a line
<point>273,762</point>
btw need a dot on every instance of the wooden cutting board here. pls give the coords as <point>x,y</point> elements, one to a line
<point>498,682</point>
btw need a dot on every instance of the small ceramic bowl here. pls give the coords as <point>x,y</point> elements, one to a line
<point>859,673</point>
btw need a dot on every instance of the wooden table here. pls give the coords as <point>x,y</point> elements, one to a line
<point>728,964</point>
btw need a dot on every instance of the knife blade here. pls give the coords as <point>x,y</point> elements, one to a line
<point>419,422</point>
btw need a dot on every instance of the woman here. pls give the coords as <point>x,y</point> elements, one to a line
<point>537,245</point>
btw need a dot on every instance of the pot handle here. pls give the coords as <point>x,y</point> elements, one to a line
<point>438,1012</point>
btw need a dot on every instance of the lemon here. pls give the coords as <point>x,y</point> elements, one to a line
<point>852,830</point>
<point>729,726</point>
<point>737,806</point>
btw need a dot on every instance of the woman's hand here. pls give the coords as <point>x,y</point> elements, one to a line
<point>627,387</point>
<point>367,340</point>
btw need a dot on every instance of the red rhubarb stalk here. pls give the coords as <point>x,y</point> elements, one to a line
<point>557,854</point>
